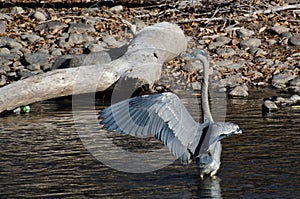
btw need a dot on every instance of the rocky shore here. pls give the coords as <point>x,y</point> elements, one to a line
<point>248,45</point>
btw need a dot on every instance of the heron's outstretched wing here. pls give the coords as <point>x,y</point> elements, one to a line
<point>162,116</point>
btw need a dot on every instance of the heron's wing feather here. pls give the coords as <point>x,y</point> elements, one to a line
<point>159,115</point>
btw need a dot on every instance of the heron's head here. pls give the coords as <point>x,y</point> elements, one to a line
<point>209,158</point>
<point>221,130</point>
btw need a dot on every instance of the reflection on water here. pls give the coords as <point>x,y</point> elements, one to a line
<point>43,156</point>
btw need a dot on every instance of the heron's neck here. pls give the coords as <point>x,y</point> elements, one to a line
<point>206,114</point>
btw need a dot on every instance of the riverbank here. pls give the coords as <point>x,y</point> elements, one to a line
<point>248,44</point>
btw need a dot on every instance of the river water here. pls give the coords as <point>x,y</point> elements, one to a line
<point>43,156</point>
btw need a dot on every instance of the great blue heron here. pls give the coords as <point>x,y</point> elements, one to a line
<point>164,117</point>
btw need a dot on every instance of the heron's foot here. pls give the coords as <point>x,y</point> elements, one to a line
<point>213,174</point>
<point>213,177</point>
<point>202,176</point>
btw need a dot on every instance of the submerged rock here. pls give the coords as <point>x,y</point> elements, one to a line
<point>269,106</point>
<point>239,91</point>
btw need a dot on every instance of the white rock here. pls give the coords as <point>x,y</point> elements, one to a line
<point>39,16</point>
<point>116,9</point>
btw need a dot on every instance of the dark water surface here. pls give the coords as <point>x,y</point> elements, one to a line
<point>42,156</point>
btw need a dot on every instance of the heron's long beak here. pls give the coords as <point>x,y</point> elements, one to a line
<point>224,135</point>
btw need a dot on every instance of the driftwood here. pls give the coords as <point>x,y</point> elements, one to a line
<point>146,53</point>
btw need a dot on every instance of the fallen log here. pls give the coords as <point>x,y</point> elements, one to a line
<point>146,53</point>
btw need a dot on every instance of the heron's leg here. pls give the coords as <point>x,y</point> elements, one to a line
<point>213,174</point>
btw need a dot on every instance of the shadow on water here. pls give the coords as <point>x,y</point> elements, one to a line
<point>43,156</point>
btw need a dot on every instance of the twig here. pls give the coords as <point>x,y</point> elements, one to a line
<point>201,19</point>
<point>130,25</point>
<point>274,9</point>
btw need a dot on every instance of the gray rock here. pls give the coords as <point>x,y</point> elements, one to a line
<point>269,106</point>
<point>5,17</point>
<point>193,66</point>
<point>80,28</point>
<point>25,73</point>
<point>271,42</point>
<point>32,38</point>
<point>286,35</point>
<point>278,30</point>
<point>79,38</point>
<point>40,16</point>
<point>295,82</point>
<point>69,61</point>
<point>245,87</point>
<point>280,100</point>
<point>75,51</point>
<point>3,81</point>
<point>2,27</point>
<point>10,56</point>
<point>243,33</point>
<point>257,51</point>
<point>40,58</point>
<point>224,63</point>
<point>225,52</point>
<point>295,40</point>
<point>11,74</point>
<point>222,39</point>
<point>231,81</point>
<point>295,99</point>
<point>219,42</point>
<point>56,52</point>
<point>236,66</point>
<point>5,68</point>
<point>10,43</point>
<point>194,63</point>
<point>255,43</point>
<point>4,51</point>
<point>280,80</point>
<point>50,25</point>
<point>94,48</point>
<point>34,67</point>
<point>62,41</point>
<point>239,91</point>
<point>64,61</point>
<point>97,58</point>
<point>280,65</point>
<point>196,86</point>
<point>111,41</point>
<point>241,52</point>
<point>268,62</point>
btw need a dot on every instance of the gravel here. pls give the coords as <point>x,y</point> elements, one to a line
<point>36,40</point>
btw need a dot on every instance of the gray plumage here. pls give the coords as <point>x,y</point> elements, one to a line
<point>164,117</point>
